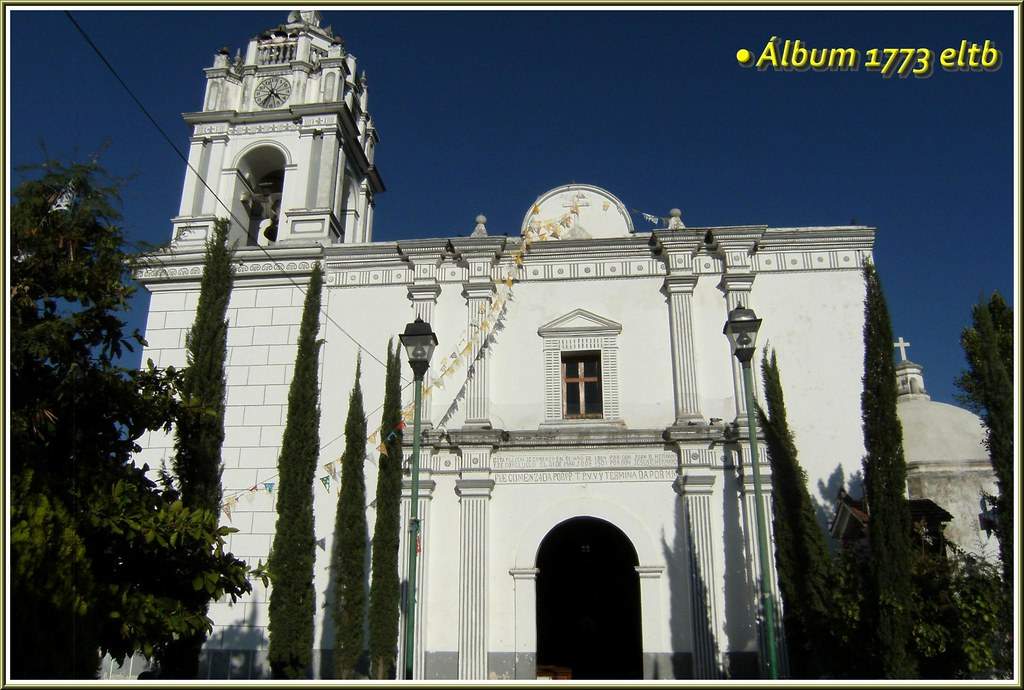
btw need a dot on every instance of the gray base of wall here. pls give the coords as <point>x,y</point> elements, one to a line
<point>668,666</point>
<point>440,665</point>
<point>244,664</point>
<point>742,666</point>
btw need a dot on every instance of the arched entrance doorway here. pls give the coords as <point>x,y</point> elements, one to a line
<point>588,602</point>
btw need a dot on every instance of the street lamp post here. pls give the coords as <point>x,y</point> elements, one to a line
<point>741,328</point>
<point>419,342</point>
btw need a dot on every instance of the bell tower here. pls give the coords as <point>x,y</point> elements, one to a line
<point>284,138</point>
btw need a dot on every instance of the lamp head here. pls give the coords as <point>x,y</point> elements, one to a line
<point>419,342</point>
<point>741,329</point>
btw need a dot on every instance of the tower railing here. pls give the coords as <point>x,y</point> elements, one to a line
<point>276,53</point>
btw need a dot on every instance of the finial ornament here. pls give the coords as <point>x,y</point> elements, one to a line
<point>481,228</point>
<point>675,219</point>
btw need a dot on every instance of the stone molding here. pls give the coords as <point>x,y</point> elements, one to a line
<point>639,256</point>
<point>694,484</point>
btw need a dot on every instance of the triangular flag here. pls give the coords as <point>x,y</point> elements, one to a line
<point>382,449</point>
<point>330,468</point>
<point>322,543</point>
<point>373,435</point>
<point>401,425</point>
<point>229,505</point>
<point>269,486</point>
<point>326,481</point>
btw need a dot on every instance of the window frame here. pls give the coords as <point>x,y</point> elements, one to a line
<point>576,332</point>
<point>579,357</point>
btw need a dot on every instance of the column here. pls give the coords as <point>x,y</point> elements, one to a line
<point>474,495</point>
<point>754,551</point>
<point>524,585</point>
<point>478,299</point>
<point>695,492</point>
<point>426,491</point>
<point>679,290</point>
<point>737,292</point>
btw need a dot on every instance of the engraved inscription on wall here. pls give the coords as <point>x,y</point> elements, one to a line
<point>580,476</point>
<point>584,467</point>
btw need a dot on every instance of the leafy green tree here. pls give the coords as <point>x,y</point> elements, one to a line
<point>972,389</point>
<point>385,588</point>
<point>292,599</point>
<point>200,428</point>
<point>988,384</point>
<point>102,559</point>
<point>888,585</point>
<point>959,627</point>
<point>801,556</point>
<point>349,552</point>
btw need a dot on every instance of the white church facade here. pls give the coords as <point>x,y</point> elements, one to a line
<point>586,501</point>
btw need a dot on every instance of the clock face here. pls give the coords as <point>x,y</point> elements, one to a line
<point>272,92</point>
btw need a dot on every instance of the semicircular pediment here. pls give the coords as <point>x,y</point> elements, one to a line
<point>579,211</point>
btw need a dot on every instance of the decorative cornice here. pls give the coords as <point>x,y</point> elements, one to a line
<point>694,484</point>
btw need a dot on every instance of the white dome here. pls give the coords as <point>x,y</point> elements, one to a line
<point>937,432</point>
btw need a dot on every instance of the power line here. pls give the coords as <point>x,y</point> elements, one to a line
<point>184,158</point>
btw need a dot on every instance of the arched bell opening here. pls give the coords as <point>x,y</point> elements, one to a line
<point>262,186</point>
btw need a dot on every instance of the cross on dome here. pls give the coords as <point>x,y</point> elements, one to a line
<point>902,346</point>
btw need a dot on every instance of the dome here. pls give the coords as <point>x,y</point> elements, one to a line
<point>937,432</point>
<point>933,431</point>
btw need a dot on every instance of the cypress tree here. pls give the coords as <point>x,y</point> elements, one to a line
<point>349,552</point>
<point>888,583</point>
<point>993,390</point>
<point>291,560</point>
<point>385,589</point>
<point>801,556</point>
<point>200,428</point>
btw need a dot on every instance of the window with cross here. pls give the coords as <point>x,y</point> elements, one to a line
<point>581,385</point>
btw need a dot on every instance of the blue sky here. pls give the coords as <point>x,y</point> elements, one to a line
<point>481,111</point>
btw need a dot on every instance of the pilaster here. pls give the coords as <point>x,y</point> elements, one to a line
<point>524,585</point>
<point>474,491</point>
<point>695,491</point>
<point>678,248</point>
<point>679,290</point>
<point>749,496</point>
<point>736,251</point>
<point>480,255</point>
<point>209,205</point>
<point>426,494</point>
<point>423,292</point>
